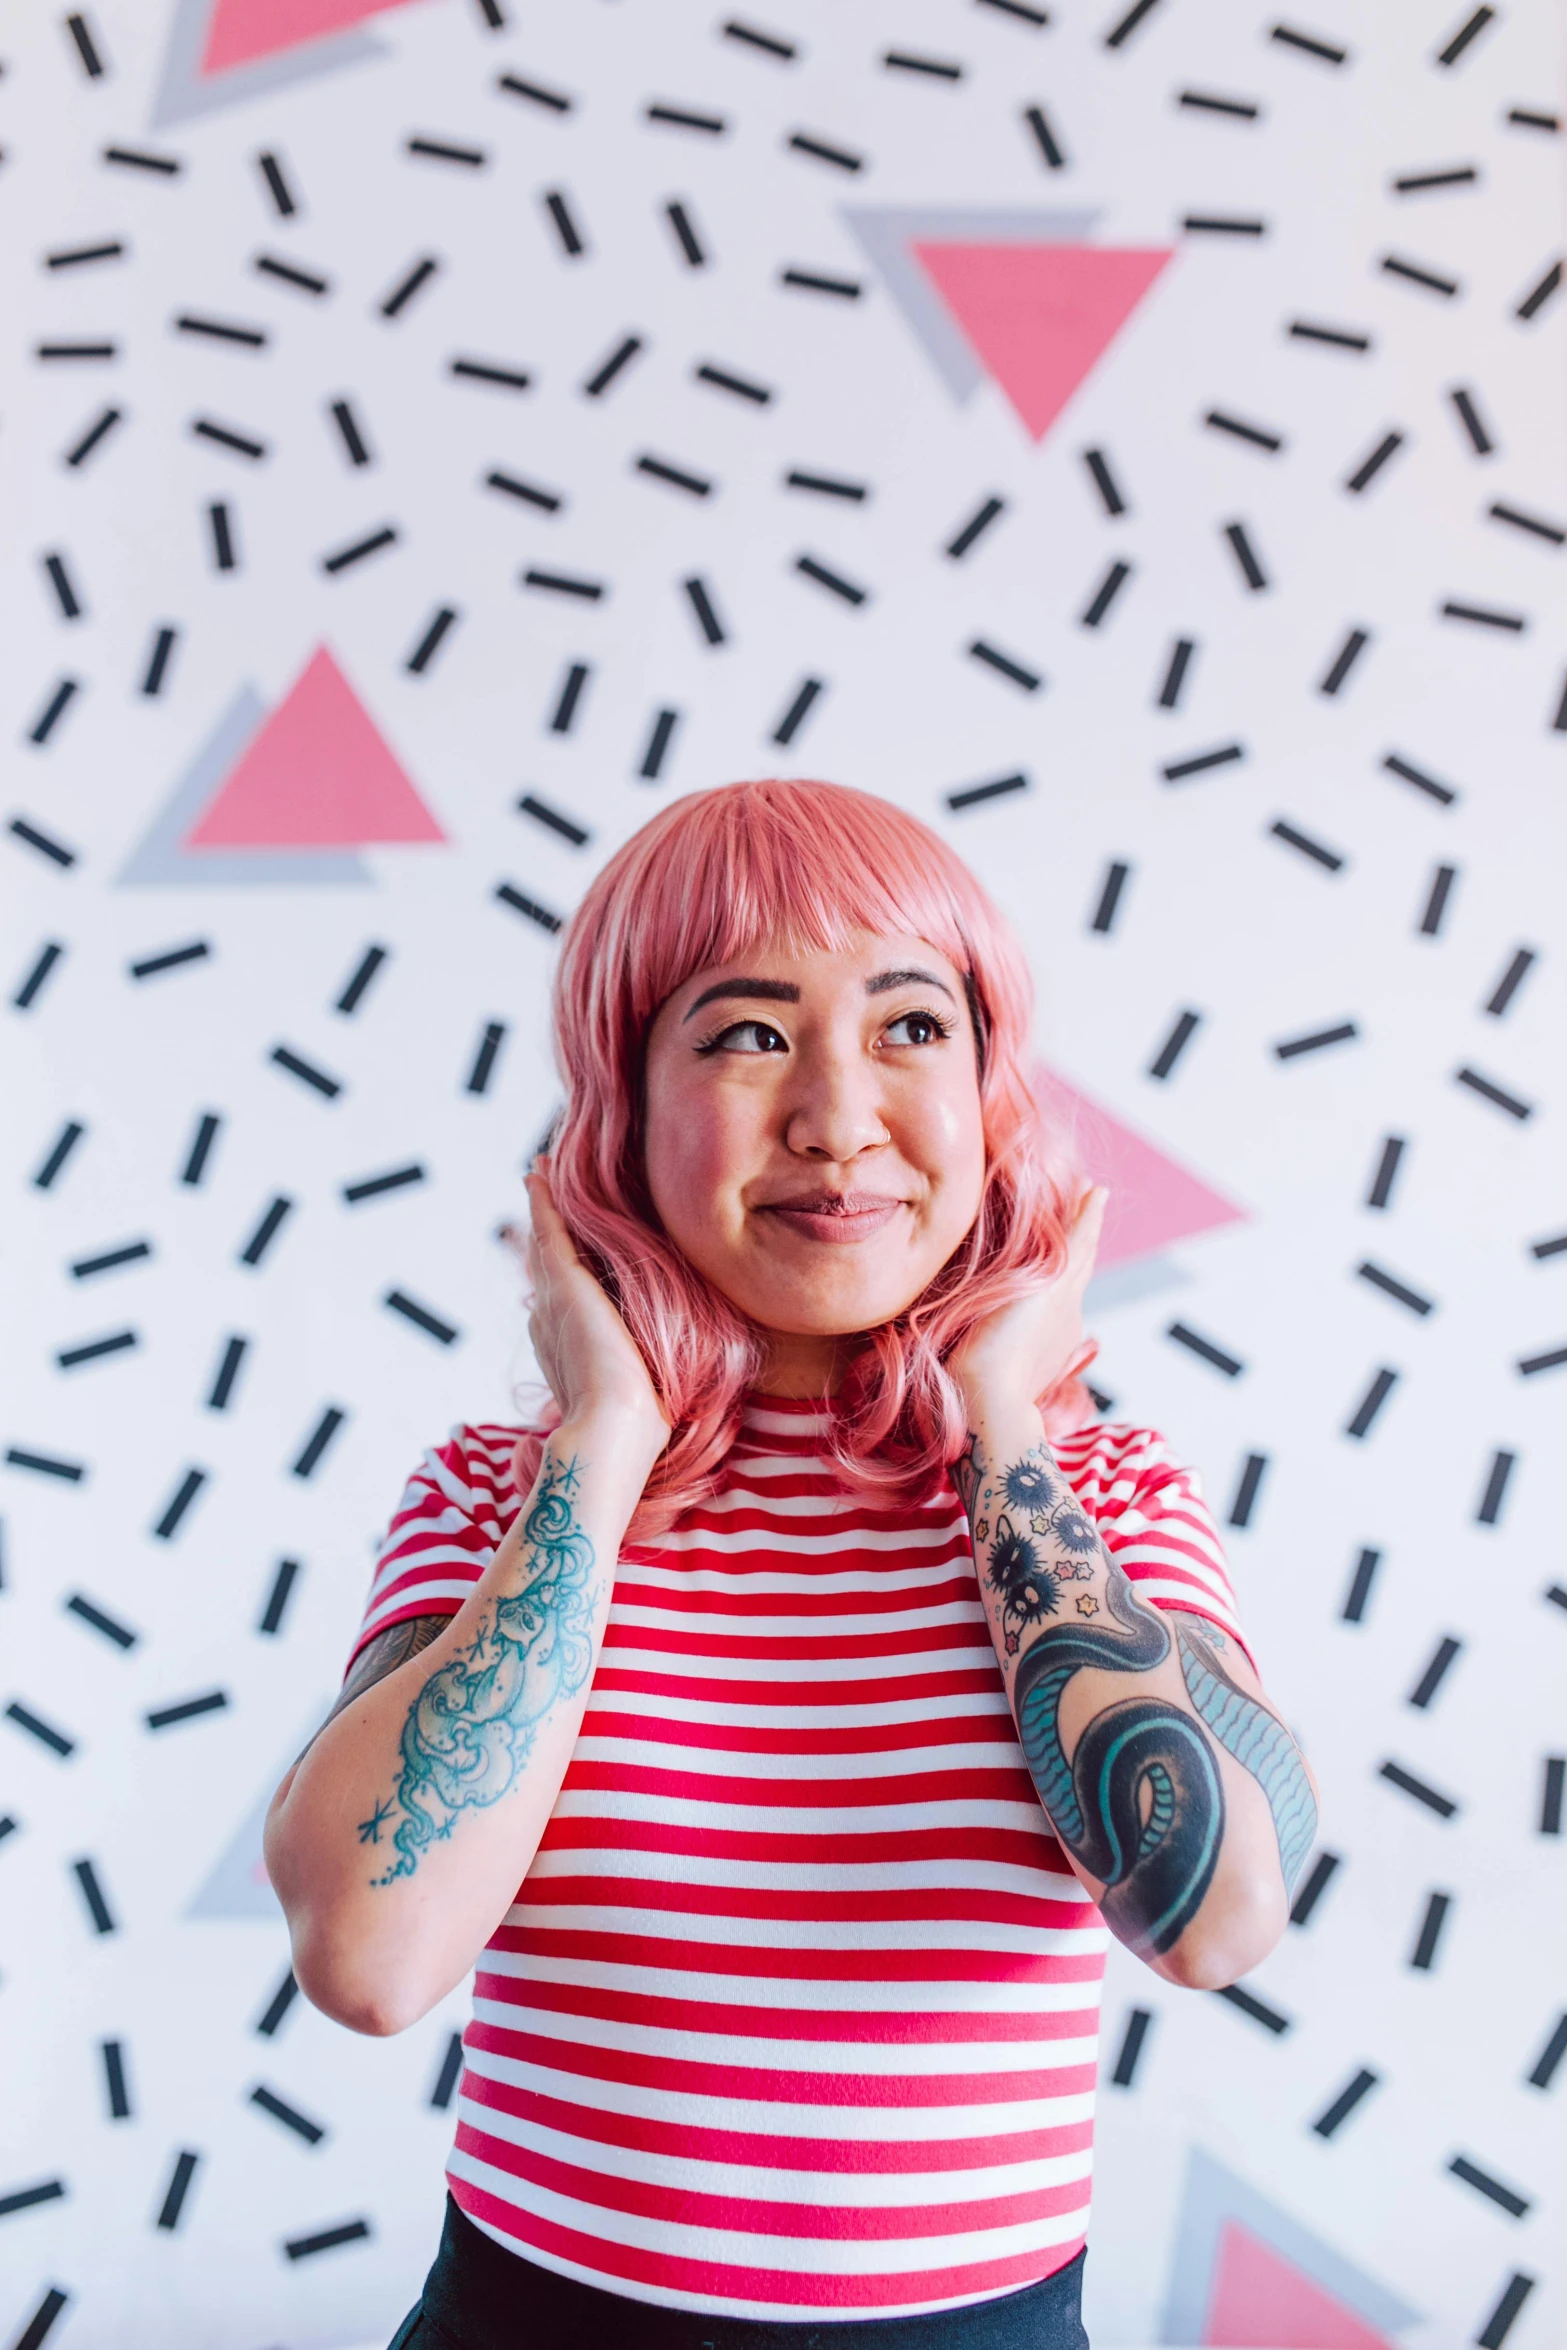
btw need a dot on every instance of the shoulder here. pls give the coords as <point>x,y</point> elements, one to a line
<point>471,1472</point>
<point>1108,1462</point>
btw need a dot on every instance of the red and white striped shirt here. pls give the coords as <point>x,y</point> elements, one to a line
<point>796,2012</point>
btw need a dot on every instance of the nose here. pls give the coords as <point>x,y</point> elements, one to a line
<point>834,1110</point>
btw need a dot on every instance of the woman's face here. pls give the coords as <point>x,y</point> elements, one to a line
<point>813,1129</point>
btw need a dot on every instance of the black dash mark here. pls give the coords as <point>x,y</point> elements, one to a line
<point>59,1151</point>
<point>1507,2198</point>
<point>364,972</point>
<point>317,1441</point>
<point>393,304</point>
<point>604,375</point>
<point>1510,982</point>
<point>1339,338</point>
<point>1308,44</point>
<point>659,469</point>
<point>220,521</point>
<point>429,644</point>
<point>770,44</point>
<point>682,118</point>
<point>278,189</point>
<point>65,591</point>
<point>799,708</point>
<point>1381,1192</point>
<point>1104,481</point>
<point>1249,1485</point>
<point>1004,666</point>
<point>940,69</point>
<point>1045,137</point>
<point>811,281</point>
<point>137,159</point>
<point>197,951</point>
<point>116,2088</point>
<point>1496,1095</point>
<point>223,436</point>
<point>93,1350</point>
<point>1131,2047</point>
<point>188,1709</point>
<point>565,227</point>
<point>1370,466</point>
<point>1124,28</point>
<point>103,1919</point>
<point>1395,1774</point>
<point>1104,595</point>
<point>447,2077</point>
<point>484,371</point>
<point>570,695</point>
<point>1219,420</point>
<point>1496,1482</point>
<point>178,1504</point>
<point>270,1620</point>
<point>510,895</point>
<point>53,711</point>
<point>1175,673</point>
<point>1438,1665</point>
<point>1499,2324</point>
<point>1399,1291</point>
<point>268,2101</point>
<point>374,1186</point>
<point>36,1727</point>
<point>554,101</point>
<point>163,645</point>
<point>1110,890</point>
<point>1469,417</point>
<point>222,1388</point>
<point>27,994</point>
<point>306,1071</point>
<point>1485,616</point>
<point>1468,31</point>
<point>1529,118</point>
<point>84,1268</point>
<point>1206,102</point>
<point>702,605</point>
<point>724,379</point>
<point>1549,2059</point>
<point>443,151</point>
<point>353,439</point>
<point>200,1151</point>
<point>974,793</point>
<point>219,330</point>
<point>1205,1349</point>
<point>1415,183</point>
<point>1201,761</point>
<point>346,557</point>
<point>659,737</point>
<point>1423,1957</point>
<point>1180,1036</point>
<point>96,432</point>
<point>177,2190</point>
<point>45,1464</point>
<point>421,1317</point>
<point>1397,265</point>
<point>562,583</point>
<point>691,247</point>
<point>1344,660</point>
<point>290,274</point>
<point>1290,1048</point>
<point>24,2199</point>
<point>1313,1885</point>
<point>1024,13</point>
<point>277,2006</point>
<point>833,581</point>
<point>826,485</point>
<point>1246,556</point>
<point>1214,224</point>
<point>110,1626</point>
<point>804,143</point>
<point>1408,772</point>
<point>1551,1795</point>
<point>86,47</point>
<point>1333,2117</point>
<point>543,814</point>
<point>1530,1365</point>
<point>352,2231</point>
<point>478,1079</point>
<point>1539,1249</point>
<point>1358,1596</point>
<point>1258,2009</point>
<point>1364,1417</point>
<point>1540,294</point>
<point>1535,524</point>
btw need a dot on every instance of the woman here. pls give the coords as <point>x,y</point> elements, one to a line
<point>825,1677</point>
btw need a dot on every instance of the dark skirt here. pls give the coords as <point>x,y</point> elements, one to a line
<point>479,2296</point>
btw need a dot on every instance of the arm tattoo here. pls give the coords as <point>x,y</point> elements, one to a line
<point>1140,1805</point>
<point>1259,1742</point>
<point>472,1726</point>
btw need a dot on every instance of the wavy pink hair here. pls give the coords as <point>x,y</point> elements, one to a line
<point>706,881</point>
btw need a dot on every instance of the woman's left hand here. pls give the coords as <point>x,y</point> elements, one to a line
<point>1021,1352</point>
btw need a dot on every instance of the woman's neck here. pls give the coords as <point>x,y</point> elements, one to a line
<point>800,1365</point>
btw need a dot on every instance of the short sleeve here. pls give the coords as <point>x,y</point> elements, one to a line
<point>1154,1522</point>
<point>455,1510</point>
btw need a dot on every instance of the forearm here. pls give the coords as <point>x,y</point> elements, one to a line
<point>398,1840</point>
<point>1182,1802</point>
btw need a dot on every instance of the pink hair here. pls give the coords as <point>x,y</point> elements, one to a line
<point>707,880</point>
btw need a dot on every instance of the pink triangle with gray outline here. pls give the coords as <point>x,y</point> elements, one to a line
<point>241,31</point>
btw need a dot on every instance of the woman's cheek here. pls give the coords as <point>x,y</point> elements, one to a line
<point>699,1156</point>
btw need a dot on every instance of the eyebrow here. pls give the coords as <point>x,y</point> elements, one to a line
<point>784,991</point>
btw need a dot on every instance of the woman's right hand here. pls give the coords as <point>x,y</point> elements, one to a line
<point>593,1364</point>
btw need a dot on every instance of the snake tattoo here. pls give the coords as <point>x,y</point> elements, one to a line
<point>1140,1802</point>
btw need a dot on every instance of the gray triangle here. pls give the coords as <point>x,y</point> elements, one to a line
<point>160,859</point>
<point>1125,1284</point>
<point>184,93</point>
<point>888,236</point>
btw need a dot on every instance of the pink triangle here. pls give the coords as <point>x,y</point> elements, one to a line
<point>1039,316</point>
<point>317,775</point>
<point>1154,1201</point>
<point>1261,2301</point>
<point>240,31</point>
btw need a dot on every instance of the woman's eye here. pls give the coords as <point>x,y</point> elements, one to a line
<point>916,1028</point>
<point>746,1036</point>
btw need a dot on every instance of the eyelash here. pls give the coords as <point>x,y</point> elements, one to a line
<point>711,1044</point>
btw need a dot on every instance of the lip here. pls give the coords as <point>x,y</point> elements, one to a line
<point>835,1217</point>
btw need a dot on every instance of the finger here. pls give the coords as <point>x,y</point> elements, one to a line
<point>549,1228</point>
